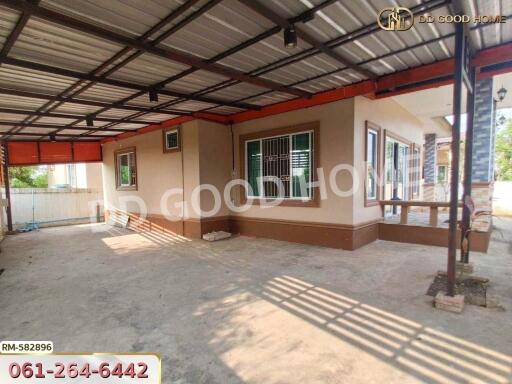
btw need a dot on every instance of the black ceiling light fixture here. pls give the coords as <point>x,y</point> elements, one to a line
<point>153,96</point>
<point>53,138</point>
<point>89,121</point>
<point>290,37</point>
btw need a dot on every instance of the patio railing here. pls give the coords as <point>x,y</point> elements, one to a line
<point>405,206</point>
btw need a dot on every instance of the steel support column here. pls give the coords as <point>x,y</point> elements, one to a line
<point>468,165</point>
<point>460,60</point>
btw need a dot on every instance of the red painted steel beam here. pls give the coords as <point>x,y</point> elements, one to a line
<point>495,55</point>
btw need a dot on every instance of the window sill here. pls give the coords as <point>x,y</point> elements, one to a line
<point>313,203</point>
<point>131,188</point>
<point>172,150</point>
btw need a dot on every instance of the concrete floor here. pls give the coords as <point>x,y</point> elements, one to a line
<point>249,310</point>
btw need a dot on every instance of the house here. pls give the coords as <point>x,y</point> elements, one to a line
<point>328,134</point>
<point>297,143</point>
<point>85,175</point>
<point>315,122</point>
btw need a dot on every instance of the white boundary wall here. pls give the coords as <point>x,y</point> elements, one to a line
<point>54,206</point>
<point>502,198</point>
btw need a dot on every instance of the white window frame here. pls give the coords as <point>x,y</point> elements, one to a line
<point>416,169</point>
<point>128,155</point>
<point>260,186</point>
<point>177,139</point>
<point>371,131</point>
<point>445,180</point>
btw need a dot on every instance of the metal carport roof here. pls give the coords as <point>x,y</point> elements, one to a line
<point>67,64</point>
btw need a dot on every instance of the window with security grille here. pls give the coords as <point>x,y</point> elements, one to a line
<point>280,166</point>
<point>171,140</point>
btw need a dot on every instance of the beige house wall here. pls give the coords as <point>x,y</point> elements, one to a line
<point>336,134</point>
<point>391,117</point>
<point>157,172</point>
<point>206,156</point>
<point>211,150</point>
<point>215,163</point>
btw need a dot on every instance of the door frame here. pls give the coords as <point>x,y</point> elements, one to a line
<point>407,182</point>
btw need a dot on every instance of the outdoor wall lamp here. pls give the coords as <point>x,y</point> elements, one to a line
<point>89,121</point>
<point>53,139</point>
<point>502,92</point>
<point>290,37</point>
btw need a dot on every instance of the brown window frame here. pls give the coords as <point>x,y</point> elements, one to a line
<point>117,153</point>
<point>314,201</point>
<point>164,139</point>
<point>374,127</point>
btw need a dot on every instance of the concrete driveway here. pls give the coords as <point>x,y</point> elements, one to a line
<point>249,310</point>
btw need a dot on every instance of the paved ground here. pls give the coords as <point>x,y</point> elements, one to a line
<point>256,311</point>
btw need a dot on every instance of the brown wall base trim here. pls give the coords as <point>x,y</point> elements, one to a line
<point>481,184</point>
<point>479,241</point>
<point>348,237</point>
<point>328,235</point>
<point>193,228</point>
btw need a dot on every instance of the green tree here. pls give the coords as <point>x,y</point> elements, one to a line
<point>41,180</point>
<point>504,152</point>
<point>28,177</point>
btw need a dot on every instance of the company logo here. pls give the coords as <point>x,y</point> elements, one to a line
<point>396,19</point>
<point>402,19</point>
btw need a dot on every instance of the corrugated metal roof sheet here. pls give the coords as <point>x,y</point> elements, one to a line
<point>222,27</point>
<point>46,43</point>
<point>106,93</point>
<point>193,106</point>
<point>132,17</point>
<point>76,109</point>
<point>148,69</point>
<point>143,101</point>
<point>238,91</point>
<point>196,82</point>
<point>8,19</point>
<point>23,103</point>
<point>30,80</point>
